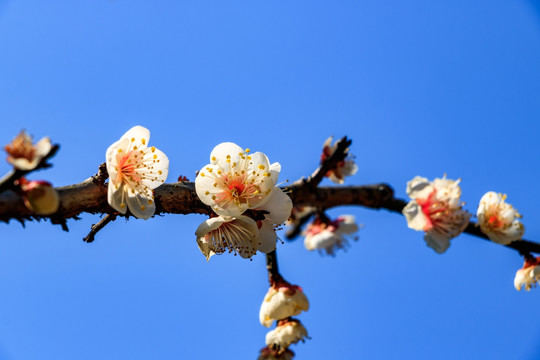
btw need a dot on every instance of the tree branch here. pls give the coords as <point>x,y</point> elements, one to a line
<point>90,196</point>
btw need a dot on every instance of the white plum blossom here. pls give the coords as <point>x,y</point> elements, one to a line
<point>498,219</point>
<point>23,155</point>
<point>528,275</point>
<point>326,235</point>
<point>225,233</point>
<point>287,332</point>
<point>436,209</point>
<point>236,180</point>
<point>282,300</point>
<point>346,167</point>
<point>134,171</point>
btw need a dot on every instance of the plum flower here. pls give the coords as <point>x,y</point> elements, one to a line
<point>282,300</point>
<point>498,219</point>
<point>326,235</point>
<point>25,156</point>
<point>134,171</point>
<point>236,180</point>
<point>346,167</point>
<point>268,353</point>
<point>287,332</point>
<point>436,209</point>
<point>528,275</point>
<point>224,233</point>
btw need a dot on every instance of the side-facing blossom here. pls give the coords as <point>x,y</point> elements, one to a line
<point>23,155</point>
<point>225,233</point>
<point>287,332</point>
<point>236,180</point>
<point>39,196</point>
<point>498,219</point>
<point>282,300</point>
<point>528,275</point>
<point>268,353</point>
<point>436,209</point>
<point>346,167</point>
<point>134,171</point>
<point>326,235</point>
<point>274,213</point>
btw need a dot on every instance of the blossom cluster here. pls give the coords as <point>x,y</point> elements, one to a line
<point>436,209</point>
<point>281,302</point>
<point>241,188</point>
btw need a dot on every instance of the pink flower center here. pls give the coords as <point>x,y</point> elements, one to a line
<point>237,189</point>
<point>127,167</point>
<point>495,222</point>
<point>435,211</point>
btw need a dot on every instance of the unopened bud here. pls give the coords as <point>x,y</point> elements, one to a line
<point>40,197</point>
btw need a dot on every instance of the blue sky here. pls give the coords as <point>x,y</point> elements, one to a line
<point>422,88</point>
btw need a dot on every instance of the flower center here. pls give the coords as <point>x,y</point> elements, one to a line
<point>127,167</point>
<point>495,222</point>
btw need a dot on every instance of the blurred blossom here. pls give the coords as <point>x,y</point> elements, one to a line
<point>498,219</point>
<point>273,354</point>
<point>134,171</point>
<point>436,209</point>
<point>528,275</point>
<point>287,332</point>
<point>23,155</point>
<point>326,235</point>
<point>346,167</point>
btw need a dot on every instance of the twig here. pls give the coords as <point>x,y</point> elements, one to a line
<point>296,227</point>
<point>328,164</point>
<point>97,227</point>
<point>8,181</point>
<point>272,265</point>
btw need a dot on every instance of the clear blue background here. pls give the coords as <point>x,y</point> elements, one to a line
<point>422,87</point>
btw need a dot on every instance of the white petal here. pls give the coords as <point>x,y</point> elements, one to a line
<point>266,240</point>
<point>275,169</point>
<point>211,224</point>
<point>43,147</point>
<point>140,205</point>
<point>418,187</point>
<point>437,241</point>
<point>350,168</point>
<point>155,178</point>
<point>347,224</point>
<point>279,207</point>
<point>219,154</point>
<point>138,133</point>
<point>116,197</point>
<point>110,156</point>
<point>416,219</point>
<point>23,164</point>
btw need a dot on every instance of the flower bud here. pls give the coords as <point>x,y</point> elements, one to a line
<point>40,197</point>
<point>272,354</point>
<point>282,300</point>
<point>289,331</point>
